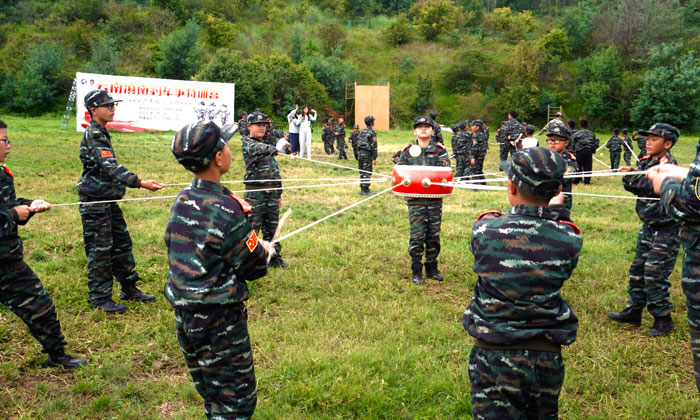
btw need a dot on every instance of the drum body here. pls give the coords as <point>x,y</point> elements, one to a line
<point>422,181</point>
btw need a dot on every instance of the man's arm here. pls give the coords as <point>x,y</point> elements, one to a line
<point>101,152</point>
<point>244,251</point>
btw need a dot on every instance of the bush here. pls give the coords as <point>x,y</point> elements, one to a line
<point>334,73</point>
<point>433,18</point>
<point>332,36</point>
<point>37,84</point>
<point>219,32</point>
<point>399,32</point>
<point>599,82</point>
<point>104,57</point>
<point>424,95</point>
<point>181,55</point>
<point>294,84</point>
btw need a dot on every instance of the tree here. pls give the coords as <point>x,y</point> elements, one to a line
<point>181,54</point>
<point>399,32</point>
<point>599,82</point>
<point>332,37</point>
<point>424,95</point>
<point>577,22</point>
<point>104,57</point>
<point>433,18</point>
<point>519,95</point>
<point>334,73</point>
<point>670,90</point>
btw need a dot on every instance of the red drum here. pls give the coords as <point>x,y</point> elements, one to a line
<point>422,181</point>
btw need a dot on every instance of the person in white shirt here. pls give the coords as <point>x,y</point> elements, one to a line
<point>530,140</point>
<point>304,122</point>
<point>293,129</point>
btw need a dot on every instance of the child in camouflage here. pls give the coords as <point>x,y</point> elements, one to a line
<point>212,252</point>
<point>517,314</point>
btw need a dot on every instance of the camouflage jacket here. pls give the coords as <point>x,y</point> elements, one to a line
<point>461,143</point>
<point>641,142</point>
<point>681,199</point>
<point>340,129</point>
<point>571,167</point>
<point>102,177</point>
<point>435,154</point>
<point>212,249</point>
<point>10,244</point>
<point>437,133</point>
<point>512,130</point>
<point>628,141</point>
<point>480,142</point>
<point>367,140</point>
<point>243,127</point>
<point>260,163</point>
<point>614,143</point>
<point>522,259</point>
<point>584,139</point>
<point>649,211</point>
<point>501,136</point>
<point>326,133</point>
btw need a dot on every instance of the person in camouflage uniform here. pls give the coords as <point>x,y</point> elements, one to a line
<point>657,242</point>
<point>262,174</point>
<point>627,147</point>
<point>105,236</point>
<point>21,290</point>
<point>641,143</point>
<point>437,130</point>
<point>339,133</point>
<point>679,190</point>
<point>327,136</point>
<point>477,151</point>
<point>513,131</point>
<point>585,143</point>
<point>558,140</point>
<point>517,313</point>
<point>424,214</point>
<point>558,120</point>
<point>504,145</point>
<point>461,144</point>
<point>366,153</point>
<point>243,124</point>
<point>353,140</point>
<point>212,252</point>
<point>614,144</point>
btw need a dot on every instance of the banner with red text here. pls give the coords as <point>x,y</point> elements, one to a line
<point>157,104</point>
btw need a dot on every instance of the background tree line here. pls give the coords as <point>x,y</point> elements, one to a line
<point>616,62</point>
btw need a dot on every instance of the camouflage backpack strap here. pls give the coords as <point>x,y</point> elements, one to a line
<point>490,215</point>
<point>245,206</point>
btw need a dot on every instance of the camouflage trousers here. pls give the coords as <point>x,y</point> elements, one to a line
<point>364,163</point>
<point>627,156</point>
<point>341,148</point>
<point>108,250</point>
<point>266,213</point>
<point>506,148</point>
<point>22,292</point>
<point>425,222</point>
<point>614,159</point>
<point>515,384</point>
<point>690,238</point>
<point>649,285</point>
<point>328,145</point>
<point>477,169</point>
<point>216,346</point>
<point>462,163</point>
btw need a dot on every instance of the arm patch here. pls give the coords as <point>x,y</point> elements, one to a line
<point>105,153</point>
<point>576,229</point>
<point>490,215</point>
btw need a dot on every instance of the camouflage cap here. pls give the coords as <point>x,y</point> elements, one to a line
<point>256,117</point>
<point>530,128</point>
<point>537,170</point>
<point>455,127</point>
<point>478,122</point>
<point>667,131</point>
<point>559,114</point>
<point>99,97</point>
<point>196,144</point>
<point>560,131</point>
<point>422,120</point>
<point>463,124</point>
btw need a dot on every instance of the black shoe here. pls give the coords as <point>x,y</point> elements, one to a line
<point>59,358</point>
<point>663,325</point>
<point>628,316</point>
<point>278,262</point>
<point>432,272</point>
<point>417,278</point>
<point>133,293</point>
<point>110,306</point>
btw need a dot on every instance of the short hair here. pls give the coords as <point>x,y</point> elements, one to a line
<point>540,199</point>
<point>513,114</point>
<point>2,124</point>
<point>530,130</point>
<point>571,123</point>
<point>584,123</point>
<point>616,131</point>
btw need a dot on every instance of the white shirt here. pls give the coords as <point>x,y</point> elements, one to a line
<point>292,120</point>
<point>306,122</point>
<point>530,142</point>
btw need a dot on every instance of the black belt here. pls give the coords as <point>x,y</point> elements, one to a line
<point>538,343</point>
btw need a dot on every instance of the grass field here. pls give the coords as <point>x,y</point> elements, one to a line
<point>342,332</point>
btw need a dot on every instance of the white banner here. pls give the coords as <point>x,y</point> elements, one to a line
<point>157,104</point>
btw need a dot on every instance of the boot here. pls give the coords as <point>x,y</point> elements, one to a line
<point>417,277</point>
<point>628,316</point>
<point>663,325</point>
<point>59,358</point>
<point>131,292</point>
<point>431,270</point>
<point>109,306</point>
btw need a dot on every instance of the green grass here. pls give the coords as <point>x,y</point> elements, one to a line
<point>340,333</point>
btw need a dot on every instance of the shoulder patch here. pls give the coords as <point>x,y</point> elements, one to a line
<point>244,204</point>
<point>644,158</point>
<point>252,241</point>
<point>663,160</point>
<point>105,153</point>
<point>495,213</point>
<point>7,171</point>
<point>571,156</point>
<point>576,229</point>
<point>405,147</point>
<point>440,145</point>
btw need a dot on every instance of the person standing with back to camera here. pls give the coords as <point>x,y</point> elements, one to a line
<point>305,120</point>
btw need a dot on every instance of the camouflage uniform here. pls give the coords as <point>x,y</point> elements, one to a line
<point>20,289</point>
<point>461,144</point>
<point>366,152</point>
<point>105,236</point>
<point>353,142</point>
<point>243,127</point>
<point>437,133</point>
<point>584,144</point>
<point>681,200</point>
<point>504,145</point>
<point>262,173</point>
<point>212,250</point>
<point>340,140</point>
<point>513,129</point>
<point>642,144</point>
<point>326,136</point>
<point>657,245</point>
<point>480,144</point>
<point>424,214</point>
<point>517,313</point>
<point>614,143</point>
<point>567,185</point>
<point>627,150</point>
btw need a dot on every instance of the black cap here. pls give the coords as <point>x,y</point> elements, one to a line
<point>530,128</point>
<point>96,98</point>
<point>560,131</point>
<point>196,144</point>
<point>432,114</point>
<point>463,124</point>
<point>369,120</point>
<point>256,117</point>
<point>667,131</point>
<point>422,120</point>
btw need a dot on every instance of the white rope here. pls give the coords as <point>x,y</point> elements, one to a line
<point>600,161</point>
<point>631,151</point>
<point>592,174</point>
<point>334,164</point>
<point>335,213</point>
<point>613,196</point>
<point>267,181</point>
